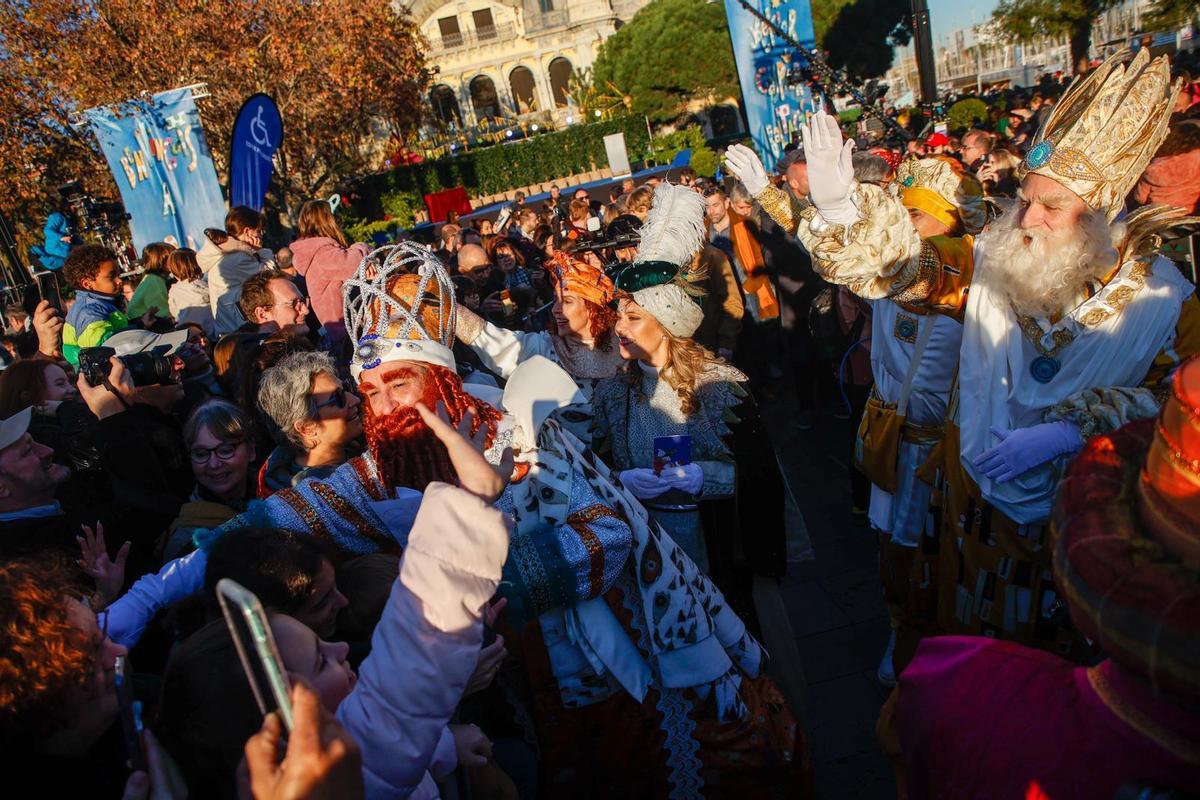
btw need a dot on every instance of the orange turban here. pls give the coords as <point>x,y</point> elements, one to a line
<point>581,278</point>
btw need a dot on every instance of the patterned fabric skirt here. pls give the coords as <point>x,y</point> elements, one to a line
<point>984,574</point>
<point>668,746</point>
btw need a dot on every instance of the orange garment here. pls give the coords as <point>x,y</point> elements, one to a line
<point>750,258</point>
<point>1174,180</point>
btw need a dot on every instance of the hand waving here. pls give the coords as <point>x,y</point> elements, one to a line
<point>745,165</point>
<point>109,574</point>
<point>830,167</point>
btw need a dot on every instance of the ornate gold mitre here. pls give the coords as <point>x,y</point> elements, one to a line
<point>1103,132</point>
<point>941,187</point>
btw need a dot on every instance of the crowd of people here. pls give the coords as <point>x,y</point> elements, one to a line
<point>505,499</point>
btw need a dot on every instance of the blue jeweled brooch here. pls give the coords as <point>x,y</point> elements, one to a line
<point>369,351</point>
<point>1044,368</point>
<point>909,181</point>
<point>1039,156</point>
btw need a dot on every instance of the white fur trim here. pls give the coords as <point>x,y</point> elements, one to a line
<point>672,307</point>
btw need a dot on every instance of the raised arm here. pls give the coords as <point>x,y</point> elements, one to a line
<point>500,349</point>
<point>425,646</point>
<point>860,235</point>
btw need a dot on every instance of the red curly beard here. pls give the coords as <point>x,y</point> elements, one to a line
<point>406,451</point>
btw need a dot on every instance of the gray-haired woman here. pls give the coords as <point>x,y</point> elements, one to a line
<point>316,420</point>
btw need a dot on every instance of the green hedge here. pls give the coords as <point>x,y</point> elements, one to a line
<point>704,159</point>
<point>489,170</point>
<point>965,114</point>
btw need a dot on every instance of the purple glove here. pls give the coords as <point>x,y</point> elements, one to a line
<point>688,478</point>
<point>1025,448</point>
<point>643,483</point>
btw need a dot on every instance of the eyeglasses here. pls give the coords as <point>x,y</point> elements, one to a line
<point>201,455</point>
<point>297,304</point>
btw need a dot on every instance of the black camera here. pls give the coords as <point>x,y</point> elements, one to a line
<point>152,368</point>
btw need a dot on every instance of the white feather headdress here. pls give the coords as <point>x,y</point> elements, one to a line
<point>674,229</point>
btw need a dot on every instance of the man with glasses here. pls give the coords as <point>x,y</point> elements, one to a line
<point>271,302</point>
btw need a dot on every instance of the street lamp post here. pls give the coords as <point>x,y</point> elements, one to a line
<point>923,46</point>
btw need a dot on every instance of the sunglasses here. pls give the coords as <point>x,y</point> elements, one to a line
<point>338,398</point>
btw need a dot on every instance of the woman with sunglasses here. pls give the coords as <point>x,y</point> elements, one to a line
<point>316,422</point>
<point>220,444</point>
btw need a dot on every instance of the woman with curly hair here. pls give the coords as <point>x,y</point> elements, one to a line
<point>580,340</point>
<point>58,704</point>
<point>725,479</point>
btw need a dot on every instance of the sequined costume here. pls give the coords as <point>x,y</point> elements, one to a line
<point>1100,365</point>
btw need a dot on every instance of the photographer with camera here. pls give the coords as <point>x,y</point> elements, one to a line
<point>59,239</point>
<point>133,387</point>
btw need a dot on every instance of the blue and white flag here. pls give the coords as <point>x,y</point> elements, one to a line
<point>257,134</point>
<point>774,110</point>
<point>160,159</point>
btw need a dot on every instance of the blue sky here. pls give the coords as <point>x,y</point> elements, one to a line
<point>950,15</point>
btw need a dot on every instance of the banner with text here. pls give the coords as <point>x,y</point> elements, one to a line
<point>160,159</point>
<point>775,108</point>
<point>257,134</point>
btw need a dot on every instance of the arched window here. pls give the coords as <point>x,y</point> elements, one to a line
<point>520,80</point>
<point>560,78</point>
<point>483,97</point>
<point>445,105</point>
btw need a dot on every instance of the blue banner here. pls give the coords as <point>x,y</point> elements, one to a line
<point>257,134</point>
<point>774,109</point>
<point>160,159</point>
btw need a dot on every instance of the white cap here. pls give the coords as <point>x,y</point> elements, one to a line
<point>136,340</point>
<point>14,427</point>
<point>375,350</point>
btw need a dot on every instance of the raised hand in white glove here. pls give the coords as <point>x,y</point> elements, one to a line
<point>687,478</point>
<point>1023,449</point>
<point>830,168</point>
<point>643,483</point>
<point>744,164</point>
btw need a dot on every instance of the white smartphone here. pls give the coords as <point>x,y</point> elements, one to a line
<point>256,648</point>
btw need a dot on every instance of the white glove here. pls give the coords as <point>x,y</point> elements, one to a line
<point>830,169</point>
<point>687,478</point>
<point>742,163</point>
<point>643,483</point>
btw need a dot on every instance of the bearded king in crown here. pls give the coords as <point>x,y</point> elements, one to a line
<point>1072,325</point>
<point>611,620</point>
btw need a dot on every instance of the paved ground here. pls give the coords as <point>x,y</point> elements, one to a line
<point>833,599</point>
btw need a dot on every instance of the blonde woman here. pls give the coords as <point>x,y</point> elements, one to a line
<point>723,478</point>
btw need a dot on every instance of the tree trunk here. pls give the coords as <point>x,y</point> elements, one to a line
<point>1081,44</point>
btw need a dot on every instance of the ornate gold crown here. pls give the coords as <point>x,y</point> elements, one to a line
<point>1103,132</point>
<point>940,186</point>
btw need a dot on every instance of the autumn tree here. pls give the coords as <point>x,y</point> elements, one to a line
<point>344,73</point>
<point>1164,14</point>
<point>1028,20</point>
<point>671,53</point>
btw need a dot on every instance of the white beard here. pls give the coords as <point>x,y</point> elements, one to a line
<point>1042,274</point>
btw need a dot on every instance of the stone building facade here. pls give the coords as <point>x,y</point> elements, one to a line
<point>511,58</point>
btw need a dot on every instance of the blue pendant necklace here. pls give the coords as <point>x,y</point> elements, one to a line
<point>1047,364</point>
